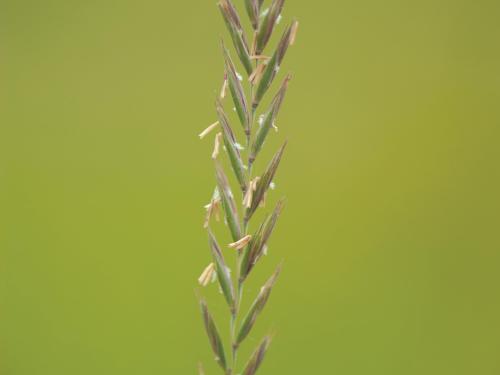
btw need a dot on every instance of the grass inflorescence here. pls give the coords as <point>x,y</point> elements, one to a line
<point>238,204</point>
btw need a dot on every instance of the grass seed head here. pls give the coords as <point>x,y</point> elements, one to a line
<point>262,71</point>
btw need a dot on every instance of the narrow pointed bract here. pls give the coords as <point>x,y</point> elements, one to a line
<point>257,307</point>
<point>231,146</point>
<point>253,10</point>
<point>269,119</point>
<point>267,26</point>
<point>258,245</point>
<point>257,357</point>
<point>213,336</point>
<point>228,203</point>
<point>235,29</point>
<point>248,258</point>
<point>269,226</point>
<point>265,181</point>
<point>223,275</point>
<point>237,92</point>
<point>274,64</point>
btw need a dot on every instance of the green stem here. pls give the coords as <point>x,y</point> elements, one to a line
<point>233,340</point>
<point>234,345</point>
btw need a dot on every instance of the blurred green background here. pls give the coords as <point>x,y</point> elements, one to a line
<point>391,232</point>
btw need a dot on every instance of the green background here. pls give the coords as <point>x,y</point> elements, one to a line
<point>391,232</point>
